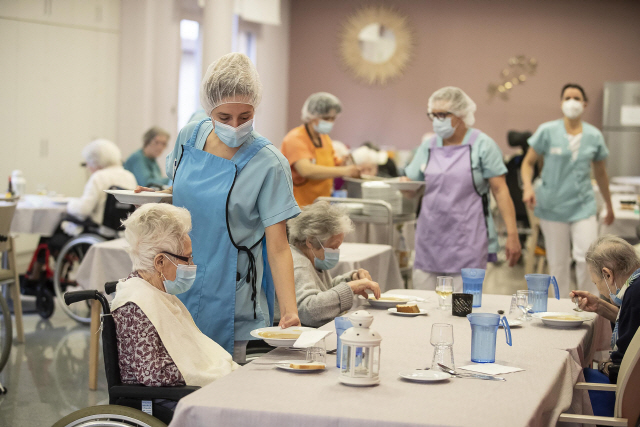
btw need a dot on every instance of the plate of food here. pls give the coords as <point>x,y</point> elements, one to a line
<point>389,300</point>
<point>275,336</point>
<point>301,366</point>
<point>562,320</point>
<point>130,197</point>
<point>407,310</point>
<point>424,376</point>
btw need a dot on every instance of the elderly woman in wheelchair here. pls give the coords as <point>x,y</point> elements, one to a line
<point>161,354</point>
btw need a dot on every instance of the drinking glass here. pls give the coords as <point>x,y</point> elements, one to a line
<point>524,301</point>
<point>442,341</point>
<point>444,289</point>
<point>317,353</point>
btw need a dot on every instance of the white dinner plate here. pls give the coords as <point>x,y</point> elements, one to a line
<point>513,323</point>
<point>129,197</point>
<point>280,342</point>
<point>395,311</point>
<point>572,320</point>
<point>406,185</point>
<point>422,376</point>
<point>284,364</point>
<point>387,301</point>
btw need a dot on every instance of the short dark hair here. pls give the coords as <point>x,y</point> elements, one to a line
<point>573,86</point>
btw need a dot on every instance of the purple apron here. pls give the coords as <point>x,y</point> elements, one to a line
<point>452,229</point>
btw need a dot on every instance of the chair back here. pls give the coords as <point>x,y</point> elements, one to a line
<point>7,210</point>
<point>628,387</point>
<point>110,351</point>
<point>115,212</point>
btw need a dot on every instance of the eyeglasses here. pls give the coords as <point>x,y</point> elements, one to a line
<point>439,116</point>
<point>187,259</point>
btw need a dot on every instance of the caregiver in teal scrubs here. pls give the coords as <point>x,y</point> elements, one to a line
<point>238,188</point>
<point>563,197</point>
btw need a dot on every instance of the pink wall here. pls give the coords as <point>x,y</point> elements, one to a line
<point>467,43</point>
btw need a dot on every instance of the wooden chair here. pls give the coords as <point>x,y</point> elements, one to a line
<point>9,270</point>
<point>627,409</point>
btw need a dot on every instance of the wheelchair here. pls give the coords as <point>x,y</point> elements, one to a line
<point>125,401</point>
<point>47,283</point>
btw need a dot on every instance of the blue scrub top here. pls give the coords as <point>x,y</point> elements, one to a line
<point>486,162</point>
<point>146,170</point>
<point>262,196</point>
<point>564,192</point>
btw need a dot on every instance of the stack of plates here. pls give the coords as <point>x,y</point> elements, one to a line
<point>381,191</point>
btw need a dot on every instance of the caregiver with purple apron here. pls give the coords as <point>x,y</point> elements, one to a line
<point>238,188</point>
<point>459,165</point>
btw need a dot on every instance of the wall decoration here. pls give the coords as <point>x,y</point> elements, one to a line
<point>519,69</point>
<point>376,44</point>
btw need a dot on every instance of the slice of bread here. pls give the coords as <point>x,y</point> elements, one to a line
<point>306,366</point>
<point>407,308</point>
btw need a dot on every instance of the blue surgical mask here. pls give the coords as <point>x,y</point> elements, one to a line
<point>234,137</point>
<point>323,127</point>
<point>613,297</point>
<point>185,276</point>
<point>331,258</point>
<point>443,128</point>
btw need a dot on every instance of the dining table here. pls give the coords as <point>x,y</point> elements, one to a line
<point>552,360</point>
<point>36,214</point>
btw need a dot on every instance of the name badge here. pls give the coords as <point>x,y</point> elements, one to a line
<point>555,150</point>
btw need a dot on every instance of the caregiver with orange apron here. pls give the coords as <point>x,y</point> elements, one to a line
<point>310,153</point>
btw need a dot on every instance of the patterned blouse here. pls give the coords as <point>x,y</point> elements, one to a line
<point>142,357</point>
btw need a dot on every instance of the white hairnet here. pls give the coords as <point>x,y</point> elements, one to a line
<point>456,101</point>
<point>340,149</point>
<point>101,153</point>
<point>318,105</point>
<point>230,79</point>
<point>367,156</point>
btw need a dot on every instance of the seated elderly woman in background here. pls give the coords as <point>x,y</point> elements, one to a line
<point>315,237</point>
<point>615,270</point>
<point>143,163</point>
<point>158,341</point>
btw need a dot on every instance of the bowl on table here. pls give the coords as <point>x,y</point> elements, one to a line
<point>563,320</point>
<point>278,337</point>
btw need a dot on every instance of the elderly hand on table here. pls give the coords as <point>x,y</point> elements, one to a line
<point>359,287</point>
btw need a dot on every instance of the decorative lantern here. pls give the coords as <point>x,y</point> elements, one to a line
<point>360,352</point>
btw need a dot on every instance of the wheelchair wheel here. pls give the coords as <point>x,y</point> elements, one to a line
<point>6,332</point>
<point>45,303</point>
<point>109,415</point>
<point>69,258</point>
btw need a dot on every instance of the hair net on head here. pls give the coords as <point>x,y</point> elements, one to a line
<point>101,153</point>
<point>230,79</point>
<point>456,101</point>
<point>318,105</point>
<point>368,156</point>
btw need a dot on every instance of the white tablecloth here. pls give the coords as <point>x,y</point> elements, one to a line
<point>626,220</point>
<point>37,215</point>
<point>265,396</point>
<point>108,261</point>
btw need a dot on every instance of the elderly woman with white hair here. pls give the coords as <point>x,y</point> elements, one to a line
<point>614,267</point>
<point>309,150</point>
<point>459,165</point>
<point>158,342</point>
<point>315,237</point>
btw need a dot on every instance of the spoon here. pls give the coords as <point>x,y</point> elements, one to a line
<point>577,307</point>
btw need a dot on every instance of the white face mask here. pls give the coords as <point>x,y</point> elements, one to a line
<point>572,108</point>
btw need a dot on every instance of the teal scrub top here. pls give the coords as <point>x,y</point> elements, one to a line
<point>262,196</point>
<point>146,170</point>
<point>486,162</point>
<point>564,192</point>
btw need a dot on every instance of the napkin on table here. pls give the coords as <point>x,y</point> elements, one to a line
<point>491,368</point>
<point>310,338</point>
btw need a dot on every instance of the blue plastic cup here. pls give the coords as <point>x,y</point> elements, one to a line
<point>484,330</point>
<point>342,324</point>
<point>538,284</point>
<point>472,279</point>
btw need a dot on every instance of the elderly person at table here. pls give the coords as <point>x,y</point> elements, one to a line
<point>143,163</point>
<point>614,267</point>
<point>315,237</point>
<point>158,341</point>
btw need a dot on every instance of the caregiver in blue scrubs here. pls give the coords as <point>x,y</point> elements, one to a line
<point>563,198</point>
<point>238,188</point>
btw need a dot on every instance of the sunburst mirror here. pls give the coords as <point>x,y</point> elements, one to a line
<point>376,44</point>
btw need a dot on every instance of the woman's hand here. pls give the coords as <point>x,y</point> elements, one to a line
<point>409,194</point>
<point>359,287</point>
<point>513,249</point>
<point>586,300</point>
<point>288,320</point>
<point>529,197</point>
<point>352,171</point>
<point>608,219</point>
<point>140,189</point>
<point>361,274</point>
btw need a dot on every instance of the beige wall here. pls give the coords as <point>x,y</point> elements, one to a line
<point>467,43</point>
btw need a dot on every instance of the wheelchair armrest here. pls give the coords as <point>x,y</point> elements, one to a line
<point>148,393</point>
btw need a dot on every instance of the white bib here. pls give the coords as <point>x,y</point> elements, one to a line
<point>199,359</point>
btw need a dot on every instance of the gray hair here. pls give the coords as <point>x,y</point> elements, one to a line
<point>152,133</point>
<point>101,153</point>
<point>154,228</point>
<point>320,104</point>
<point>613,253</point>
<point>318,221</point>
